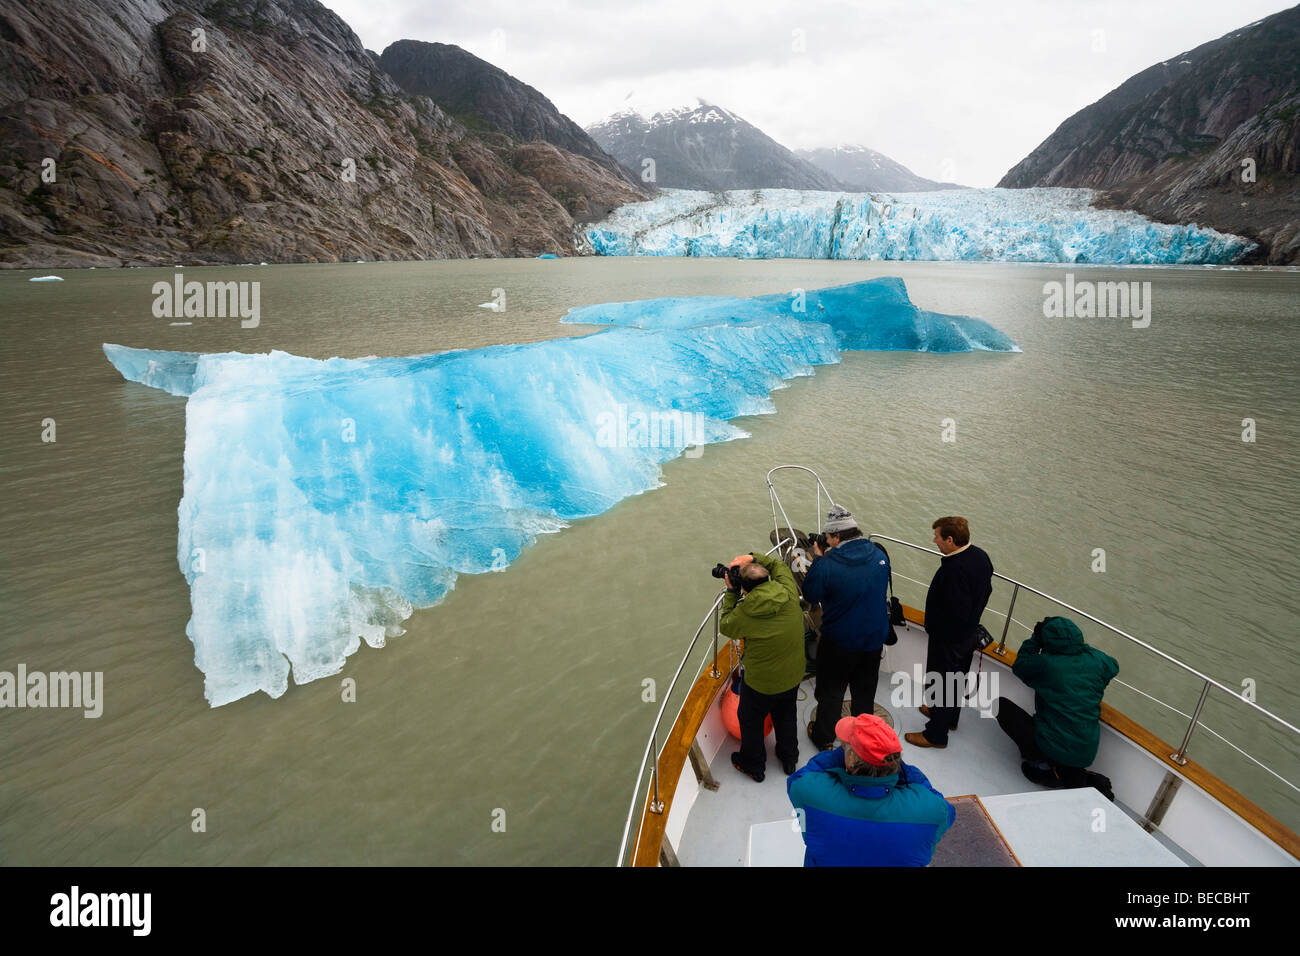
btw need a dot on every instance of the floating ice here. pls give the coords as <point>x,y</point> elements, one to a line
<point>875,315</point>
<point>324,499</point>
<point>46,279</point>
<point>1017,225</point>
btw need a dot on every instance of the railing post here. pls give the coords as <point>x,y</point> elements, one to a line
<point>717,610</point>
<point>1180,758</point>
<point>656,805</point>
<point>1002,644</point>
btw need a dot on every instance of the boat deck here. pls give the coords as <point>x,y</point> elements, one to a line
<point>745,823</point>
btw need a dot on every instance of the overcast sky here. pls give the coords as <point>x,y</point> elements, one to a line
<point>953,90</point>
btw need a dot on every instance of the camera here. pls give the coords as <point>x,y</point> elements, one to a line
<point>818,540</point>
<point>730,574</point>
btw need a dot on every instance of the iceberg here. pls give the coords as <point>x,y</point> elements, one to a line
<point>1041,224</point>
<point>45,279</point>
<point>325,499</point>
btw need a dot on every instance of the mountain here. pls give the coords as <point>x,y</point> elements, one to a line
<point>158,131</point>
<point>864,170</point>
<point>704,147</point>
<point>482,95</point>
<point>1171,142</point>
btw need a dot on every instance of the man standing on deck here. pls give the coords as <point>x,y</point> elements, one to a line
<point>849,581</point>
<point>771,622</point>
<point>954,604</point>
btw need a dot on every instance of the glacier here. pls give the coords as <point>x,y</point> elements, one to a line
<point>1042,224</point>
<point>325,499</point>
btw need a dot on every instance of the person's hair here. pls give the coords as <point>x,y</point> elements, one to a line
<point>860,768</point>
<point>848,534</point>
<point>954,527</point>
<point>752,575</point>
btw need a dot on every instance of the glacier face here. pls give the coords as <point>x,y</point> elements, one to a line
<point>1015,225</point>
<point>325,499</point>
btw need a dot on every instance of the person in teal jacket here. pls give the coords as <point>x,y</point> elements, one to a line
<point>860,805</point>
<point>1060,739</point>
<point>771,622</point>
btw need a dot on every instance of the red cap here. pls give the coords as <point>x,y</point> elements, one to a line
<point>870,737</point>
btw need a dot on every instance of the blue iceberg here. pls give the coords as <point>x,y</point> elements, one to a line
<point>325,499</point>
<point>1015,225</point>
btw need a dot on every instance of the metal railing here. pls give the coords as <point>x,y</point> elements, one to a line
<point>652,746</point>
<point>1180,757</point>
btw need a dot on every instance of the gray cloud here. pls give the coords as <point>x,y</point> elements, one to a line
<point>967,88</point>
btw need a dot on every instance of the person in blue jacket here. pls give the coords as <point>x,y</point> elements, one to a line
<point>862,806</point>
<point>849,581</point>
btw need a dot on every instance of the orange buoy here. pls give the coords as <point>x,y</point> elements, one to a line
<point>730,704</point>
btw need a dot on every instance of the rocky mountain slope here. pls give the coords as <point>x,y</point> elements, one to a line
<point>704,146</point>
<point>159,131</point>
<point>865,170</point>
<point>1210,136</point>
<point>481,94</point>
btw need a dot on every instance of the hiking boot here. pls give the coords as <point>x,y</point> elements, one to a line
<point>735,762</point>
<point>1044,777</point>
<point>830,746</point>
<point>790,766</point>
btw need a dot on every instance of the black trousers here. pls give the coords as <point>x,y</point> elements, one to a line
<point>1019,726</point>
<point>752,711</point>
<point>948,681</point>
<point>838,669</point>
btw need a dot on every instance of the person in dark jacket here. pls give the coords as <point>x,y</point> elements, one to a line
<point>1060,739</point>
<point>862,806</point>
<point>849,581</point>
<point>954,604</point>
<point>771,623</point>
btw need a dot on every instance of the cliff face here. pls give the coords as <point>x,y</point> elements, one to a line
<point>271,135</point>
<point>1171,141</point>
<point>475,89</point>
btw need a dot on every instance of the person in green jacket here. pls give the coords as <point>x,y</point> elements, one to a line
<point>770,620</point>
<point>1069,678</point>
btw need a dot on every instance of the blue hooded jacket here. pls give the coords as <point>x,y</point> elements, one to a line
<point>850,582</point>
<point>850,820</point>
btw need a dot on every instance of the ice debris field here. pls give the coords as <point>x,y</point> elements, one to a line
<point>325,499</point>
<point>1014,225</point>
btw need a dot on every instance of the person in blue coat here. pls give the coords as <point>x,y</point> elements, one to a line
<point>860,805</point>
<point>849,581</point>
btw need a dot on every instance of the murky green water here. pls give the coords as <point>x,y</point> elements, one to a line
<point>522,691</point>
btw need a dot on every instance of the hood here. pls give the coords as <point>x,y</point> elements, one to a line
<point>767,600</point>
<point>855,553</point>
<point>1060,635</point>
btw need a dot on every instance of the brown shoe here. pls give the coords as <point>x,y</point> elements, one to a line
<point>925,712</point>
<point>917,739</point>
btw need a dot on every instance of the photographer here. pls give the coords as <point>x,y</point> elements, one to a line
<point>848,579</point>
<point>771,623</point>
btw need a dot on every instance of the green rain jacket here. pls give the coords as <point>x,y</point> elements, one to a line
<point>771,622</point>
<point>1069,679</point>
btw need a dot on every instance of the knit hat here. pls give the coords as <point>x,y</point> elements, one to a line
<point>837,520</point>
<point>870,737</point>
